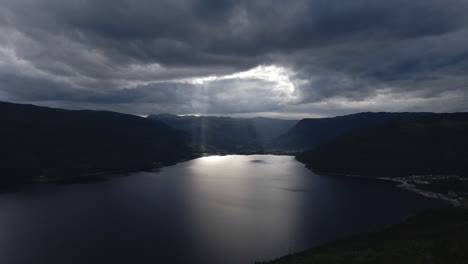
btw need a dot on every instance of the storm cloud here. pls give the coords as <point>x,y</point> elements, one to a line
<point>275,58</point>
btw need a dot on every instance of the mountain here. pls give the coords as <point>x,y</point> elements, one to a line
<point>227,133</point>
<point>429,144</point>
<point>62,144</point>
<point>311,131</point>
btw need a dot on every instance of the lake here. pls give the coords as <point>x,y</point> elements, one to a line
<point>220,209</point>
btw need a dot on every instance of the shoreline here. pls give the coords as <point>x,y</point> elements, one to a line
<point>403,184</point>
<point>400,183</point>
<point>87,177</point>
<point>104,175</point>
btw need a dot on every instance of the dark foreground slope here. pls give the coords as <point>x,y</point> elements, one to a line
<point>430,144</point>
<point>311,131</point>
<point>435,237</point>
<point>227,133</point>
<point>62,144</point>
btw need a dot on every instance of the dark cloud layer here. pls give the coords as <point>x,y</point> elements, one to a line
<point>142,56</point>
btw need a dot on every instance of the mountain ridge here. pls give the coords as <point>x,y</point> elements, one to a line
<point>311,131</point>
<point>62,144</point>
<point>227,134</point>
<point>429,144</point>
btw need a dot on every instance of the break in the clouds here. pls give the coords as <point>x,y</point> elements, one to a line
<point>242,58</point>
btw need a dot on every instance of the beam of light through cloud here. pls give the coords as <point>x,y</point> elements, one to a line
<point>265,83</point>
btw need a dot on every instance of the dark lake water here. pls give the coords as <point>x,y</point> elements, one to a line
<point>231,209</point>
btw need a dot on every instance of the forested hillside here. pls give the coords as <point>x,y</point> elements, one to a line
<point>430,144</point>
<point>59,143</point>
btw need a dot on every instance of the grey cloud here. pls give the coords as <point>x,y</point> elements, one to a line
<point>223,96</point>
<point>134,52</point>
<point>429,66</point>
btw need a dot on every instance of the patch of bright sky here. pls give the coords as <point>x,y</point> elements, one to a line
<point>270,73</point>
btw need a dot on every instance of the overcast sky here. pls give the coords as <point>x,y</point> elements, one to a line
<point>276,58</point>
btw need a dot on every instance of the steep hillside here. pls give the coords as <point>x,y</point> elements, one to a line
<point>61,144</point>
<point>430,144</point>
<point>312,131</point>
<point>436,237</point>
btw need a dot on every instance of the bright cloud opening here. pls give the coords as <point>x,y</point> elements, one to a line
<point>270,73</point>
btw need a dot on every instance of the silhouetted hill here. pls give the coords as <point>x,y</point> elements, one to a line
<point>226,133</point>
<point>430,144</point>
<point>60,143</point>
<point>436,237</point>
<point>311,131</point>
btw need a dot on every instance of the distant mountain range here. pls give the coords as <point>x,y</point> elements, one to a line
<point>428,144</point>
<point>63,144</point>
<point>227,133</point>
<point>265,135</point>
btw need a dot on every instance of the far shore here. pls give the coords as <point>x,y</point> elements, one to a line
<point>401,183</point>
<point>99,176</point>
<point>410,187</point>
